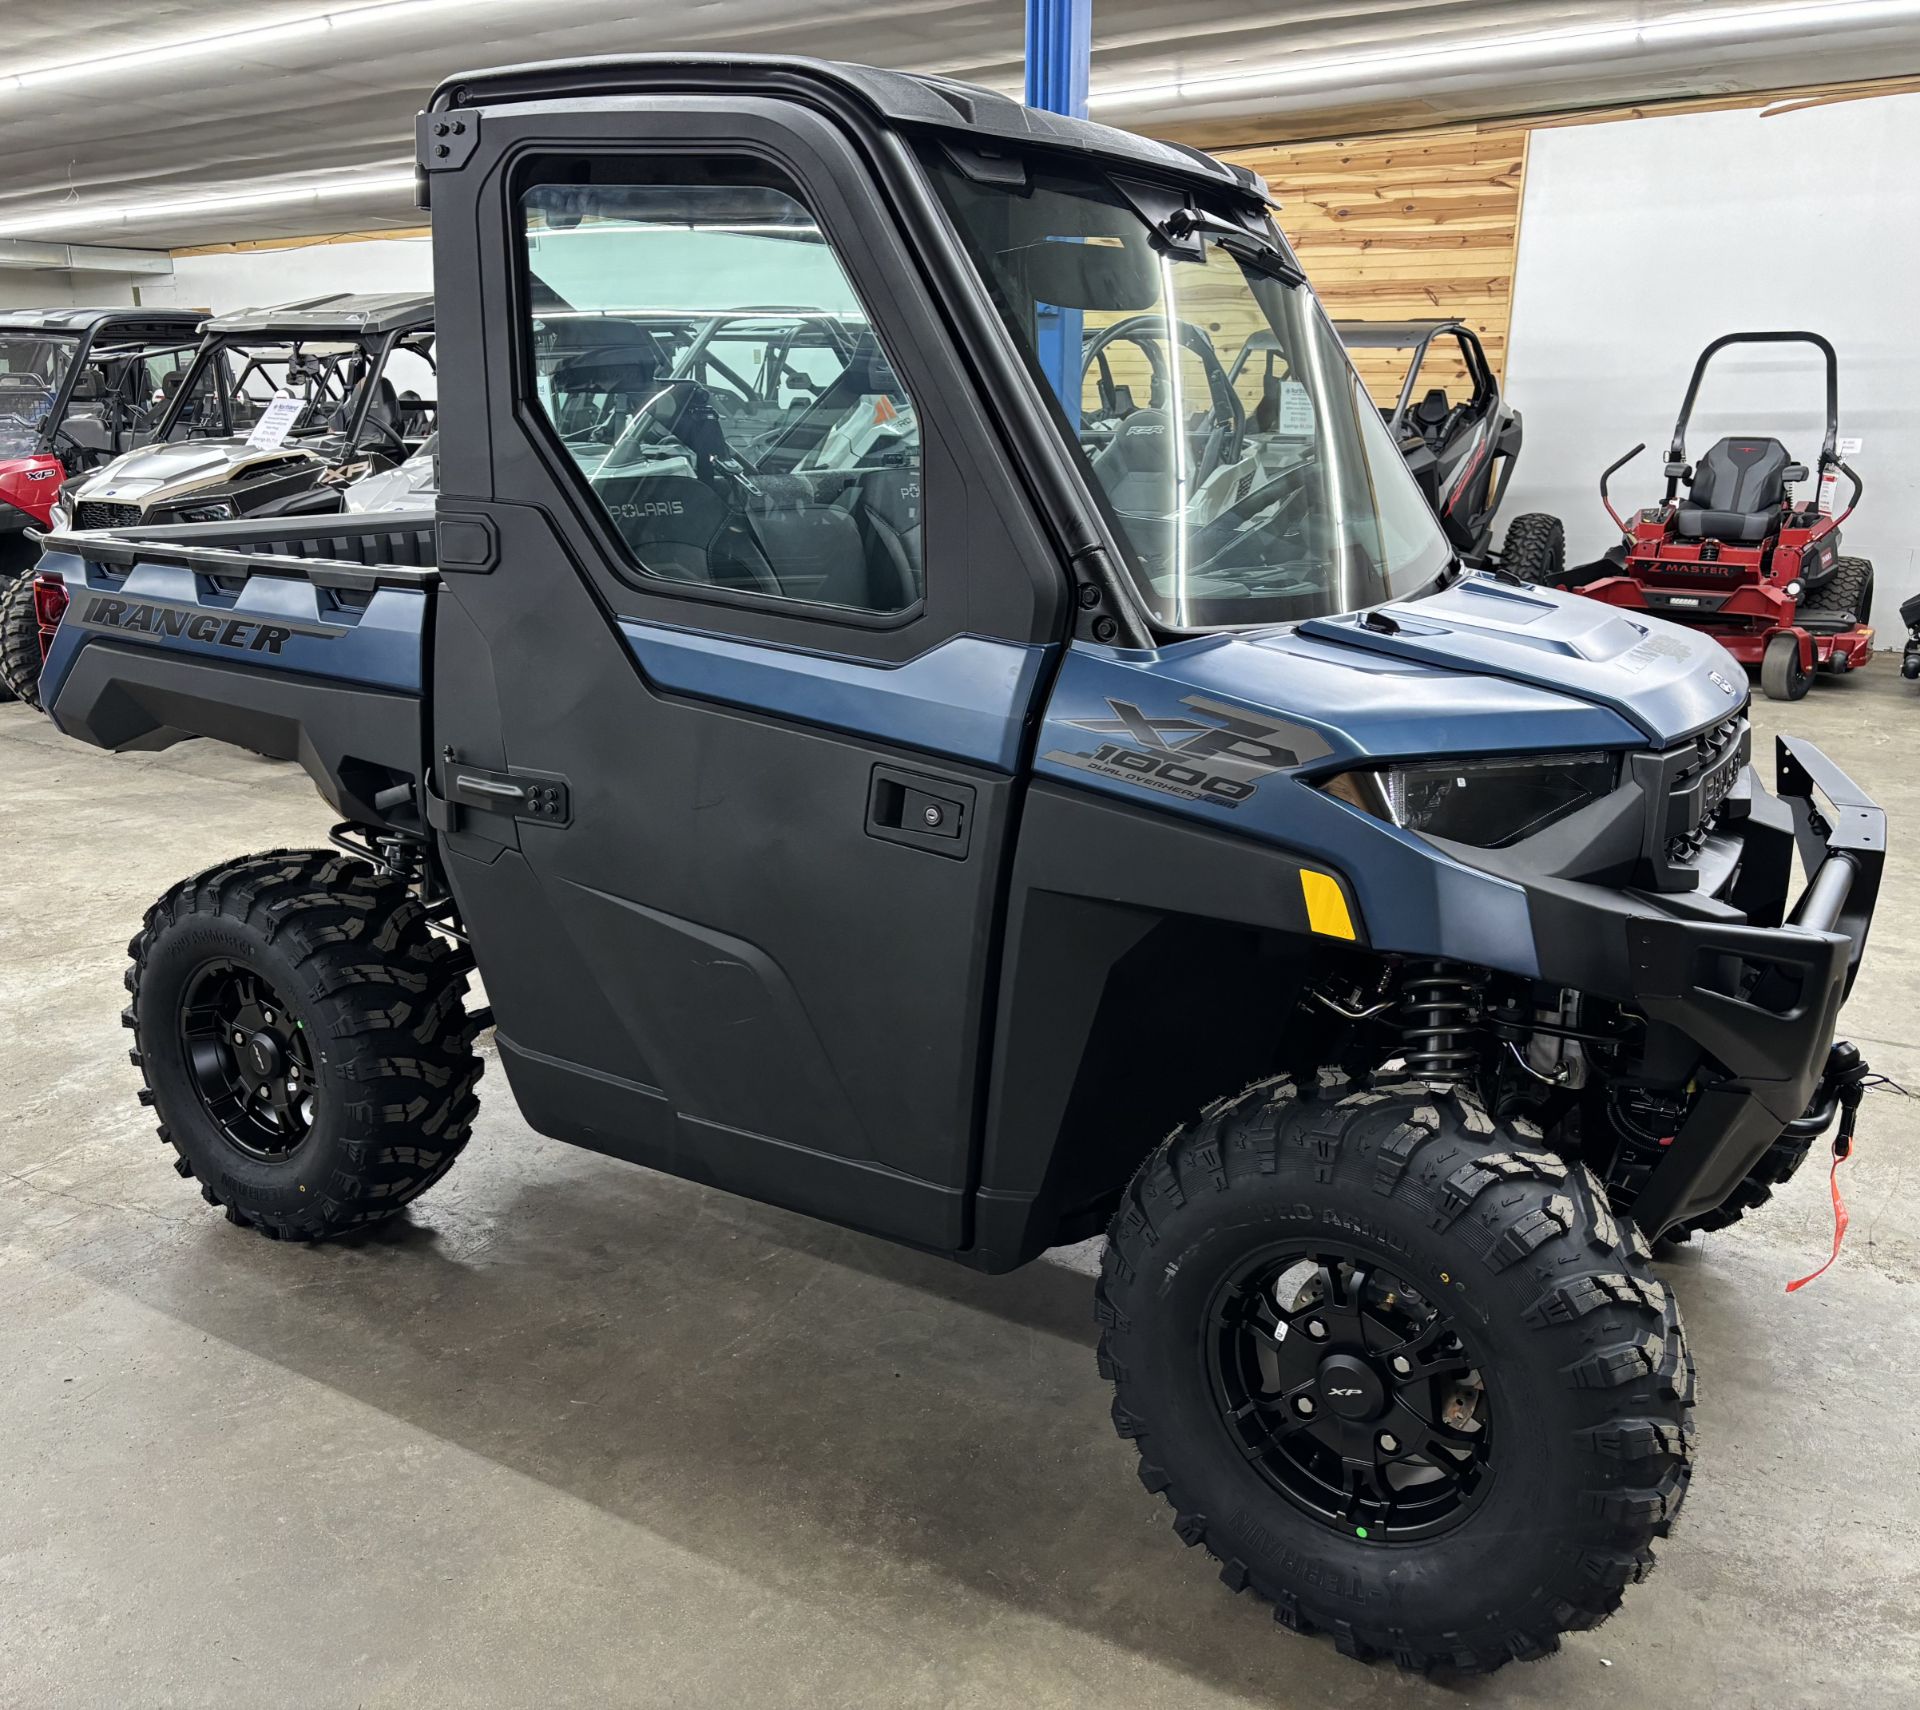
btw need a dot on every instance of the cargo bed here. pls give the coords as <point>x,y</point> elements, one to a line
<point>297,637</point>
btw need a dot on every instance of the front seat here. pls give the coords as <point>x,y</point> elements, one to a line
<point>1135,468</point>
<point>384,412</point>
<point>1736,493</point>
<point>1432,417</point>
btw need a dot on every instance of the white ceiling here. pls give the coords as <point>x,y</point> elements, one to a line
<point>319,105</point>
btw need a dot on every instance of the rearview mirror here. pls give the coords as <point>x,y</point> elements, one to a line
<point>1073,274</point>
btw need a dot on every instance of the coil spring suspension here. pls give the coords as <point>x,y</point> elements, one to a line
<point>1438,1007</point>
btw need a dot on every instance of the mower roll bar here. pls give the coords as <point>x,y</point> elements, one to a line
<point>1829,448</point>
<point>1607,474</point>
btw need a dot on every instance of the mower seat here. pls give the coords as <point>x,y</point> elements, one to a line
<point>1736,492</point>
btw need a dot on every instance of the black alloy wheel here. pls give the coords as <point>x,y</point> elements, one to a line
<point>249,1060</point>
<point>1352,1395</point>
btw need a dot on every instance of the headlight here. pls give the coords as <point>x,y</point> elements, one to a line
<point>216,510</point>
<point>1487,803</point>
<point>61,514</point>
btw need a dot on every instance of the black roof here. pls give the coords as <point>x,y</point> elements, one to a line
<point>119,324</point>
<point>345,315</point>
<point>939,103</point>
<point>1386,335</point>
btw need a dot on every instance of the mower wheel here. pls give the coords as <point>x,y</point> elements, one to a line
<point>1535,549</point>
<point>19,642</point>
<point>1781,676</point>
<point>1846,593</point>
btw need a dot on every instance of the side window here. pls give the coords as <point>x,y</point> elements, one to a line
<point>700,354</point>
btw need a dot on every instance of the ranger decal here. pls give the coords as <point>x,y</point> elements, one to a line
<point>109,613</point>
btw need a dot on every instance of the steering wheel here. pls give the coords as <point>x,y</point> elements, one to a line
<point>379,438</point>
<point>1285,494</point>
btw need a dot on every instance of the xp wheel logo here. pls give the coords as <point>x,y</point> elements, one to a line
<point>1219,757</point>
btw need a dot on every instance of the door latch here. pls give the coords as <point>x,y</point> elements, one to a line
<point>935,814</point>
<point>539,798</point>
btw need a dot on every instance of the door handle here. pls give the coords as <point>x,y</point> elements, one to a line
<point>935,814</point>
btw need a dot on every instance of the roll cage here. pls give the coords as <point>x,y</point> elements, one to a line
<point>101,341</point>
<point>352,357</point>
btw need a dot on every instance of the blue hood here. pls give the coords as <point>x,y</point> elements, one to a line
<point>1666,680</point>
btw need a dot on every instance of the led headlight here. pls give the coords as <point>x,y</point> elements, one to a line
<point>60,514</point>
<point>215,510</point>
<point>1487,803</point>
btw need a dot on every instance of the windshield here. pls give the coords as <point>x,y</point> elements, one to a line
<point>32,365</point>
<point>1271,496</point>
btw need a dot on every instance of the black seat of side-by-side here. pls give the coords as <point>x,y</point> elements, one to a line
<point>1433,416</point>
<point>383,412</point>
<point>1133,468</point>
<point>1736,493</point>
<point>885,504</point>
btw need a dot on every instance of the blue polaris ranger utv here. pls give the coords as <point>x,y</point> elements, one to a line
<point>869,788</point>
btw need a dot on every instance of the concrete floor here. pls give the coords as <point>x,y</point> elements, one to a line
<point>571,1433</point>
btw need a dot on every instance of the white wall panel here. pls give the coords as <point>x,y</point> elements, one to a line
<point>1642,239</point>
<point>250,279</point>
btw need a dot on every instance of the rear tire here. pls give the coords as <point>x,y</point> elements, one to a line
<point>19,642</point>
<point>1469,1247</point>
<point>1847,592</point>
<point>301,1037</point>
<point>1781,677</point>
<point>1535,549</point>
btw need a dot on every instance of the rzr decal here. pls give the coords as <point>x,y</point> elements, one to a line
<point>193,623</point>
<point>1219,758</point>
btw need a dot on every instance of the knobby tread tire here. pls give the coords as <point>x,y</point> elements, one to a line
<point>380,997</point>
<point>19,642</point>
<point>1535,549</point>
<point>1525,1239</point>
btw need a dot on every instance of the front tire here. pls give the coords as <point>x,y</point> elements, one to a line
<point>302,1039</point>
<point>19,642</point>
<point>1542,1359</point>
<point>1782,677</point>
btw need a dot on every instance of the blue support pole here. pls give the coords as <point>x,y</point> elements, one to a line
<point>1059,51</point>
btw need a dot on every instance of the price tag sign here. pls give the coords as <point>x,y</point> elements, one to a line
<point>276,422</point>
<point>1296,410</point>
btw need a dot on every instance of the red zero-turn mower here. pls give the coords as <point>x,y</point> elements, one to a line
<point>1738,556</point>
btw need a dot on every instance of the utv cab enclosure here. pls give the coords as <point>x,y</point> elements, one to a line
<point>870,808</point>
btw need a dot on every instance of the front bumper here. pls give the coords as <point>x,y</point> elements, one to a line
<point>1753,982</point>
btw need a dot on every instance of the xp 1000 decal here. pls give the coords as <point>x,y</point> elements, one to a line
<point>1219,757</point>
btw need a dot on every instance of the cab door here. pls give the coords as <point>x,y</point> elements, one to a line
<point>732,714</point>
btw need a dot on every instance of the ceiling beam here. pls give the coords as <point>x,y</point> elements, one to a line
<point>27,255</point>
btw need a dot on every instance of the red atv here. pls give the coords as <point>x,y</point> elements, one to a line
<point>1738,556</point>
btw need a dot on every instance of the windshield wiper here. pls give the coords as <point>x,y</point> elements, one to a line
<point>1183,225</point>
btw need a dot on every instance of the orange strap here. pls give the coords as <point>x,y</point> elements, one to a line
<point>1839,1219</point>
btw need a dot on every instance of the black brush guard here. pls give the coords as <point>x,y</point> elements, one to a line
<point>1762,1001</point>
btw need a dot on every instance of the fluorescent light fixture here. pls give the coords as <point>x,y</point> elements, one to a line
<point>70,215</point>
<point>1310,72</point>
<point>171,50</point>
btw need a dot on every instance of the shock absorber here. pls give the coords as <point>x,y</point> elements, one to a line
<point>1439,1006</point>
